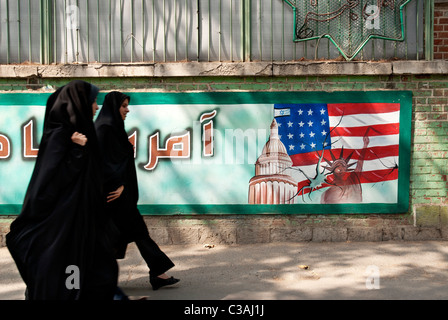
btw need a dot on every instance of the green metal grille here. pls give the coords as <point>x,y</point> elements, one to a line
<point>349,24</point>
<point>110,31</point>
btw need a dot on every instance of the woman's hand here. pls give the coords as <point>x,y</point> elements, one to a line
<point>79,138</point>
<point>114,195</point>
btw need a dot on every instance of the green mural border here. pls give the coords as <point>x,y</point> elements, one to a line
<point>402,97</point>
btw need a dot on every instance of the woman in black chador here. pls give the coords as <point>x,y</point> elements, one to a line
<point>57,243</point>
<point>121,188</point>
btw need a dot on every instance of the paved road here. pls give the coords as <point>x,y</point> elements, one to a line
<point>282,271</point>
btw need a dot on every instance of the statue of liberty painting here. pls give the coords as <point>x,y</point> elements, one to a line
<point>346,185</point>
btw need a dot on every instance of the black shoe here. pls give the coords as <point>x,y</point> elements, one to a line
<point>120,295</point>
<point>157,282</point>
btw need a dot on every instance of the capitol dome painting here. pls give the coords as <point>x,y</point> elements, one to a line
<point>271,185</point>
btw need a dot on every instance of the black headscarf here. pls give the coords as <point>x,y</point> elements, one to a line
<point>114,142</point>
<point>58,224</point>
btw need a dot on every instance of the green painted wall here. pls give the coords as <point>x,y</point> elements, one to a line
<point>429,168</point>
<point>429,131</point>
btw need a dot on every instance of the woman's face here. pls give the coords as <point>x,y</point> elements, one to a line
<point>94,107</point>
<point>124,110</point>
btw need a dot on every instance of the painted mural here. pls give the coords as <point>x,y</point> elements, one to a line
<point>243,152</point>
<point>330,154</point>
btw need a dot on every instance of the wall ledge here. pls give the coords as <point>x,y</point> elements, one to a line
<point>224,69</point>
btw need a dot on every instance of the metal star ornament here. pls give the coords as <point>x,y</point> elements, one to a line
<point>348,24</point>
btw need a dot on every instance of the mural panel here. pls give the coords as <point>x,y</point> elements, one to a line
<point>243,152</point>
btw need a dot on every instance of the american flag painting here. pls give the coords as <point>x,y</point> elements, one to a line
<point>341,152</point>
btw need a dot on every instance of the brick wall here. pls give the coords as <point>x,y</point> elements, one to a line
<point>428,214</point>
<point>441,30</point>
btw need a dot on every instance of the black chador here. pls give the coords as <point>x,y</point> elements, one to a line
<point>119,170</point>
<point>58,241</point>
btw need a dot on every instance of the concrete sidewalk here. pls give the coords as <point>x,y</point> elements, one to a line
<point>281,271</point>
